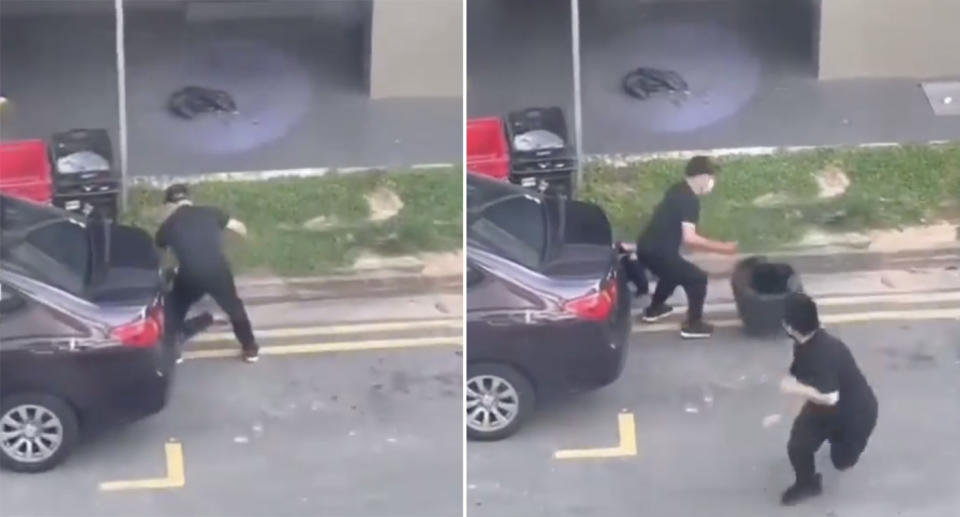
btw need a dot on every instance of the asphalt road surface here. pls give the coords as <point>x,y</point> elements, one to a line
<point>703,448</point>
<point>361,433</point>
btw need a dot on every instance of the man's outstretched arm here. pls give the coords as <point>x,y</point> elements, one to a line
<point>792,386</point>
<point>693,239</point>
<point>229,223</point>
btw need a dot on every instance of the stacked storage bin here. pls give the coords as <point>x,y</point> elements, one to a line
<point>547,168</point>
<point>25,170</point>
<point>84,179</point>
<point>487,151</point>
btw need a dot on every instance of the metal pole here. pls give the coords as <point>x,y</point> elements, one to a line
<point>577,107</point>
<point>122,99</point>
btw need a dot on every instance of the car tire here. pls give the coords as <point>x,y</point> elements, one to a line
<point>507,377</point>
<point>52,405</point>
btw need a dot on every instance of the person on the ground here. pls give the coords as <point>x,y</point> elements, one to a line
<point>674,223</point>
<point>840,406</point>
<point>194,234</point>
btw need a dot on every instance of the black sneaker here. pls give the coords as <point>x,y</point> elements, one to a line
<point>657,313</point>
<point>800,491</point>
<point>696,330</point>
<point>251,355</point>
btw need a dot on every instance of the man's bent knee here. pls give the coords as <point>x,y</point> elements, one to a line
<point>843,457</point>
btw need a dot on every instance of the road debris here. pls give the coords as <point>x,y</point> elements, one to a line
<point>771,420</point>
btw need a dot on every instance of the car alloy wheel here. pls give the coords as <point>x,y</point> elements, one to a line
<point>30,433</point>
<point>492,403</point>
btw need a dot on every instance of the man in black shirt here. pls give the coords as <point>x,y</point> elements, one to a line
<point>674,223</point>
<point>840,406</point>
<point>194,233</point>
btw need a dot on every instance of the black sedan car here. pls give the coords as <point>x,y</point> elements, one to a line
<point>548,311</point>
<point>81,327</point>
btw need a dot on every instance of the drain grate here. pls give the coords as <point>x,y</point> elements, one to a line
<point>944,97</point>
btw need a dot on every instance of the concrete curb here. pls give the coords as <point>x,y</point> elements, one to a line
<point>259,291</point>
<point>394,282</point>
<point>614,159</point>
<point>161,181</point>
<point>624,160</point>
<point>840,261</point>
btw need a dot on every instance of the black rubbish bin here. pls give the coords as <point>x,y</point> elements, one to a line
<point>84,178</point>
<point>760,289</point>
<point>541,157</point>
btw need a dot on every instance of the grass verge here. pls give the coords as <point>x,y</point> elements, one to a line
<point>276,212</point>
<point>890,188</point>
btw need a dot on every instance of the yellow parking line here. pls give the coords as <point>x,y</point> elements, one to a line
<point>854,317</point>
<point>628,443</point>
<point>352,328</point>
<point>175,474</point>
<point>320,348</point>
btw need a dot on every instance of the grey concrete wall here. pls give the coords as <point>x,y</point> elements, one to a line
<point>195,10</point>
<point>416,49</point>
<point>889,38</point>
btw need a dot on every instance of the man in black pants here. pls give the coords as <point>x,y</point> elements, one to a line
<point>674,223</point>
<point>840,406</point>
<point>194,233</point>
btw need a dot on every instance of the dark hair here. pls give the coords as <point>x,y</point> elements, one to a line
<point>800,312</point>
<point>176,193</point>
<point>700,165</point>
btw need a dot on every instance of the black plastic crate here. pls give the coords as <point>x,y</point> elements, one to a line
<point>543,166</point>
<point>558,183</point>
<point>106,203</point>
<point>67,143</point>
<point>548,119</point>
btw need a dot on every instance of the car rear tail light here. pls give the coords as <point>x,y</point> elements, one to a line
<point>595,306</point>
<point>142,333</point>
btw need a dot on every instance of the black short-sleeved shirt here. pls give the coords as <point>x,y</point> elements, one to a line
<point>664,233</point>
<point>194,233</point>
<point>826,363</point>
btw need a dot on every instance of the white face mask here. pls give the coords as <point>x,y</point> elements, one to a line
<point>709,186</point>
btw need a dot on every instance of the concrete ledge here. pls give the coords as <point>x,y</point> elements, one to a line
<point>161,181</point>
<point>827,261</point>
<point>281,290</point>
<point>624,160</point>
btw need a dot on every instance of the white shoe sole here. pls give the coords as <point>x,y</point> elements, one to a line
<point>694,335</point>
<point>251,359</point>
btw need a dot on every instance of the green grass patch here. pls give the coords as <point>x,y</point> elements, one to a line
<point>890,187</point>
<point>276,211</point>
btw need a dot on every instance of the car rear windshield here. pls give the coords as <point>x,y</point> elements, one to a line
<point>515,228</point>
<point>46,245</point>
<point>58,254</point>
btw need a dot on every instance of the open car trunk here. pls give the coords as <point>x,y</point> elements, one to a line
<point>92,258</point>
<point>130,271</point>
<point>582,240</point>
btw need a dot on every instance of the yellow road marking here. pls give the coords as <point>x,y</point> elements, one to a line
<point>175,475</point>
<point>352,328</point>
<point>628,443</point>
<point>342,346</point>
<point>855,317</point>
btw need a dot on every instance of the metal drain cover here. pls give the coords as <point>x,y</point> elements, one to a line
<point>944,97</point>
